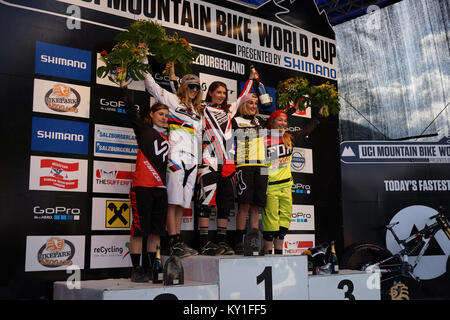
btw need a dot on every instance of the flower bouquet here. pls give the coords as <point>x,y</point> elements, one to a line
<point>297,91</point>
<point>293,91</point>
<point>123,63</point>
<point>326,98</point>
<point>162,47</point>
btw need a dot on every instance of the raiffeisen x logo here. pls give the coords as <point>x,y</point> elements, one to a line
<point>118,213</point>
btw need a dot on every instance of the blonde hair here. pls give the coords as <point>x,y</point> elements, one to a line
<point>287,140</point>
<point>183,95</point>
<point>242,109</point>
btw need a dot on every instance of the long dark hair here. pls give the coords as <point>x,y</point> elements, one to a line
<point>146,109</point>
<point>212,87</point>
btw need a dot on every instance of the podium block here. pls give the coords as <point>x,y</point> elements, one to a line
<point>276,277</point>
<point>347,285</point>
<point>124,289</point>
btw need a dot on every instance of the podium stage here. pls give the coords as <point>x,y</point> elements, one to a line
<point>272,277</point>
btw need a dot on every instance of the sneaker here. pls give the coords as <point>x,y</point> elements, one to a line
<point>228,251</point>
<point>182,250</point>
<point>212,249</point>
<point>139,275</point>
<point>239,248</point>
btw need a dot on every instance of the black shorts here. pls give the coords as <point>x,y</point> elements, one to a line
<point>215,190</point>
<point>149,210</point>
<point>251,185</point>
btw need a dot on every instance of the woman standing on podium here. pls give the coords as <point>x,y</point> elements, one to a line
<point>277,213</point>
<point>185,125</point>
<point>148,194</point>
<point>216,173</point>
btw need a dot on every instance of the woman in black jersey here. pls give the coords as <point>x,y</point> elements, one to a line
<point>148,194</point>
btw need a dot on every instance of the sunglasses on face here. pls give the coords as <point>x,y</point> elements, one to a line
<point>194,86</point>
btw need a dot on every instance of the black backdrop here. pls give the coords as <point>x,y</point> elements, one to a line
<point>21,28</point>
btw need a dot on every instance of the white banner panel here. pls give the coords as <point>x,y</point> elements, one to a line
<point>298,243</point>
<point>110,251</point>
<point>111,214</point>
<point>302,217</point>
<point>61,98</point>
<point>112,177</point>
<point>58,174</point>
<point>53,253</point>
<point>302,160</point>
<point>114,142</point>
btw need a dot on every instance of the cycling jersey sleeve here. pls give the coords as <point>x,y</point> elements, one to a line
<point>163,96</point>
<point>235,105</point>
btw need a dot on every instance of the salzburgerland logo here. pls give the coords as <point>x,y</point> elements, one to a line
<point>62,98</point>
<point>56,252</point>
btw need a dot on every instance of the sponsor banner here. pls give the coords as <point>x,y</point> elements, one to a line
<point>54,253</point>
<point>133,85</point>
<point>61,98</point>
<point>395,152</point>
<point>58,174</point>
<point>59,210</point>
<point>302,217</point>
<point>59,136</point>
<point>111,214</point>
<point>112,177</point>
<point>109,107</point>
<point>115,142</point>
<point>302,160</point>
<point>272,41</point>
<point>110,252</point>
<point>187,221</point>
<point>304,114</point>
<point>298,243</point>
<point>302,189</point>
<point>207,79</point>
<point>62,62</point>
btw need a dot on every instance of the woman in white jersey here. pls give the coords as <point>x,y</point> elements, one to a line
<point>185,127</point>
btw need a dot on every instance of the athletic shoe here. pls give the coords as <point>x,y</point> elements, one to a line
<point>212,249</point>
<point>139,275</point>
<point>239,248</point>
<point>182,250</point>
<point>227,249</point>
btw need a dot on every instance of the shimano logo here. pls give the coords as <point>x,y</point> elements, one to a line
<point>64,62</point>
<point>42,134</point>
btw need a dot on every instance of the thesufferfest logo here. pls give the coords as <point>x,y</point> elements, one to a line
<point>296,246</point>
<point>56,252</point>
<point>62,98</point>
<point>113,177</point>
